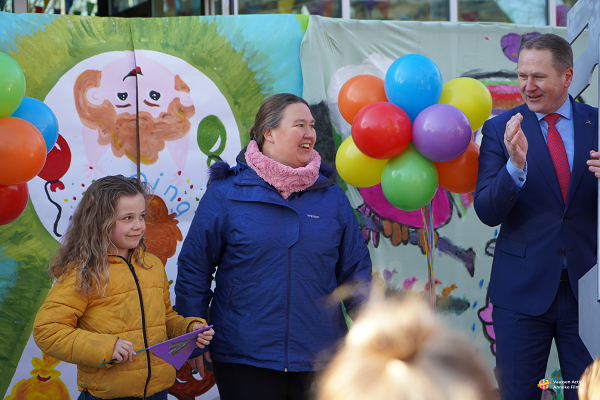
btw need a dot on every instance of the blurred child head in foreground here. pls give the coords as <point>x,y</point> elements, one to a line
<point>589,384</point>
<point>397,351</point>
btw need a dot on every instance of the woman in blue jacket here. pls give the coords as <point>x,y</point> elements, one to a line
<point>284,238</point>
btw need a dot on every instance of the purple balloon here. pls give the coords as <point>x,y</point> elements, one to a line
<point>441,132</point>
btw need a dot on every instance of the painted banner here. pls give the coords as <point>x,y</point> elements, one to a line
<point>334,51</point>
<point>200,81</point>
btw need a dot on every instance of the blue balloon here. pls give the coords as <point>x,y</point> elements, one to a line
<point>413,83</point>
<point>41,116</point>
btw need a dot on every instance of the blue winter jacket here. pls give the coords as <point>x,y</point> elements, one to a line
<point>279,262</point>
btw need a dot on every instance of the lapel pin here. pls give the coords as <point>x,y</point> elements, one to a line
<point>588,123</point>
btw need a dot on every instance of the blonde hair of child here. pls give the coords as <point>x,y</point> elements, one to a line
<point>589,384</point>
<point>85,245</point>
<point>396,351</point>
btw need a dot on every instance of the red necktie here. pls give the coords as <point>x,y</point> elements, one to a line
<point>558,154</point>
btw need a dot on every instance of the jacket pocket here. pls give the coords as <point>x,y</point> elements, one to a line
<point>99,375</point>
<point>510,246</point>
<point>92,375</point>
<point>226,308</point>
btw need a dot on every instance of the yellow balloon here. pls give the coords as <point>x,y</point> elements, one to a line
<point>471,97</point>
<point>356,168</point>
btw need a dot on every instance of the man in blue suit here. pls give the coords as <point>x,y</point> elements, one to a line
<point>534,180</point>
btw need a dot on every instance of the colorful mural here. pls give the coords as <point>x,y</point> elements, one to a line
<point>195,84</point>
<point>45,383</point>
<point>464,246</point>
<point>193,95</point>
<point>188,385</point>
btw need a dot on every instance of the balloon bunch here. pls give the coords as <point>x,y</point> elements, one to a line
<point>28,131</point>
<point>412,133</point>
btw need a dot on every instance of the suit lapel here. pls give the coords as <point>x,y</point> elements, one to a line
<point>538,150</point>
<point>584,138</point>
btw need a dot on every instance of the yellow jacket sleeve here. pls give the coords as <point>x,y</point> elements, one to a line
<point>56,331</point>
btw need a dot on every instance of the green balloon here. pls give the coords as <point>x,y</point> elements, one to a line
<point>409,180</point>
<point>210,130</point>
<point>12,85</point>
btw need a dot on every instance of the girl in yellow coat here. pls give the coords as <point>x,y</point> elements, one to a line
<point>111,298</point>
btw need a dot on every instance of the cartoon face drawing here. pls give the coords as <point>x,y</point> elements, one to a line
<point>187,386</point>
<point>106,102</point>
<point>95,104</point>
<point>117,86</point>
<point>158,87</point>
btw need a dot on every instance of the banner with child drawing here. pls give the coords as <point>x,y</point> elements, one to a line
<point>200,81</point>
<point>399,240</point>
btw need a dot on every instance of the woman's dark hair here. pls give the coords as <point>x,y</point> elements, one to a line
<point>270,114</point>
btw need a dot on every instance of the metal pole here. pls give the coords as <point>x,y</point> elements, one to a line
<point>19,6</point>
<point>551,14</point>
<point>453,10</point>
<point>598,228</point>
<point>345,9</point>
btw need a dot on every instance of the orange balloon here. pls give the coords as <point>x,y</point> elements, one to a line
<point>460,175</point>
<point>359,91</point>
<point>22,151</point>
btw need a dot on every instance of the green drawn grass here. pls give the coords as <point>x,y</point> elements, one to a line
<point>27,242</point>
<point>45,57</point>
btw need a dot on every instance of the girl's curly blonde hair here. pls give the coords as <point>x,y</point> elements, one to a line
<point>85,245</point>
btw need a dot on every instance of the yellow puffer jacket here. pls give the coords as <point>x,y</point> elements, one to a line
<point>83,330</point>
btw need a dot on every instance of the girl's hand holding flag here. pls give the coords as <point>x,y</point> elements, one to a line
<point>174,351</point>
<point>124,351</point>
<point>204,337</point>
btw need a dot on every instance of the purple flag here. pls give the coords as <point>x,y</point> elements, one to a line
<point>177,350</point>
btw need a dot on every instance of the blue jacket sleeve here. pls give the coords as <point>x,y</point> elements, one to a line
<point>200,255</point>
<point>354,264</point>
<point>496,192</point>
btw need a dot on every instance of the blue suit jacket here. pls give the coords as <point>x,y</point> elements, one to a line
<point>537,226</point>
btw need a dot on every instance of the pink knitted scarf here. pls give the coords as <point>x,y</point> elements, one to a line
<point>286,180</point>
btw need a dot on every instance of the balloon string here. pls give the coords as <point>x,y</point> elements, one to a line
<point>431,256</point>
<point>432,253</point>
<point>49,183</point>
<point>429,245</point>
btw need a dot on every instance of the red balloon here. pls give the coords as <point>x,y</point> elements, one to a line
<point>381,130</point>
<point>14,200</point>
<point>460,174</point>
<point>360,91</point>
<point>58,161</point>
<point>22,151</point>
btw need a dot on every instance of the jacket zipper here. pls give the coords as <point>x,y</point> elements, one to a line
<point>287,314</point>
<point>289,277</point>
<point>139,290</point>
<point>289,284</point>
